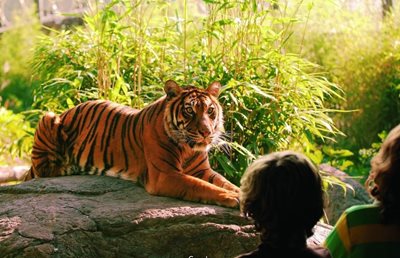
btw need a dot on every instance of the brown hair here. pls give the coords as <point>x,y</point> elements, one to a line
<point>383,182</point>
<point>282,192</point>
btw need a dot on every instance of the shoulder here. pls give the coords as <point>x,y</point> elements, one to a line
<point>355,216</point>
<point>362,208</point>
<point>362,214</point>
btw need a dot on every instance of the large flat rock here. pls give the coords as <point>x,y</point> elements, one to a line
<point>342,197</point>
<point>90,216</point>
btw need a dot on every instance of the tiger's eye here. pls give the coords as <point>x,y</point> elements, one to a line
<point>189,110</point>
<point>210,110</point>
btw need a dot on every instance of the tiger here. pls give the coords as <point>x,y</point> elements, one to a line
<point>162,147</point>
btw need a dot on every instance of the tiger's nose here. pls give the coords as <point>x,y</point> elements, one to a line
<point>204,132</point>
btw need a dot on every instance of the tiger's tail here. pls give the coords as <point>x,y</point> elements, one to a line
<point>29,175</point>
<point>47,150</point>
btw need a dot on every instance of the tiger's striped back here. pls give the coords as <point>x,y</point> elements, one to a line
<point>94,137</point>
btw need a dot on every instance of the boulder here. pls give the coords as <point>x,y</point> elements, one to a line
<point>341,197</point>
<point>90,216</point>
<point>12,174</point>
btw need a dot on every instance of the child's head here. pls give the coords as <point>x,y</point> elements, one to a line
<point>384,178</point>
<point>282,192</point>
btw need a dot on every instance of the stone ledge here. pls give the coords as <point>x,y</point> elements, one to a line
<point>90,216</point>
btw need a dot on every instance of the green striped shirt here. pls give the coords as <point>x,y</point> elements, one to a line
<point>359,234</point>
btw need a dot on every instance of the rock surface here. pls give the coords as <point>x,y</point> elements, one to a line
<point>340,199</point>
<point>12,173</point>
<point>90,216</point>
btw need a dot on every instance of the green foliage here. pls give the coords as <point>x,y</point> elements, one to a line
<point>338,158</point>
<point>111,57</point>
<point>16,82</point>
<point>362,165</point>
<point>125,51</point>
<point>356,165</point>
<point>360,50</point>
<point>16,136</point>
<point>16,45</point>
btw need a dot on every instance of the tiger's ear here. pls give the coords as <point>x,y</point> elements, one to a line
<point>172,89</point>
<point>214,89</point>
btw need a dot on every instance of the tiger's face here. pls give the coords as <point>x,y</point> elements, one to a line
<point>193,116</point>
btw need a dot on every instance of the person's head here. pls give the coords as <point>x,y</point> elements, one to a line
<point>384,180</point>
<point>282,192</point>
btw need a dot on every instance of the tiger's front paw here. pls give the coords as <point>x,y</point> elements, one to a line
<point>229,199</point>
<point>231,187</point>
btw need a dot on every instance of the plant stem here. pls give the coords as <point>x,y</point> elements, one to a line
<point>184,39</point>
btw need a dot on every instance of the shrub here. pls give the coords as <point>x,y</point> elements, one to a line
<point>16,47</point>
<point>16,137</point>
<point>361,52</point>
<point>125,51</point>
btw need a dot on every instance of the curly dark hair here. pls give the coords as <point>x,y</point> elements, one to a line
<point>282,192</point>
<point>383,182</point>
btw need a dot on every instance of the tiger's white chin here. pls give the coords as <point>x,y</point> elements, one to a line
<point>202,146</point>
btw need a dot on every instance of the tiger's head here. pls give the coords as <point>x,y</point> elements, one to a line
<point>193,116</point>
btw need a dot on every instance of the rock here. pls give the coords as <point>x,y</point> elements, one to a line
<point>12,173</point>
<point>90,216</point>
<point>339,199</point>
